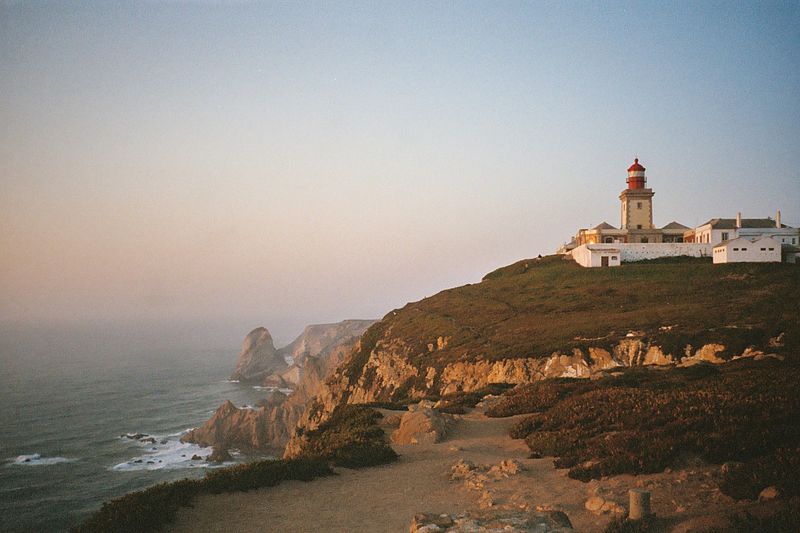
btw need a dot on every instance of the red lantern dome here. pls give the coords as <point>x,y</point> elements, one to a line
<point>636,177</point>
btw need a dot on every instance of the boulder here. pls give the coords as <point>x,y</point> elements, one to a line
<point>461,469</point>
<point>219,455</point>
<point>506,468</point>
<point>769,493</point>
<point>421,425</point>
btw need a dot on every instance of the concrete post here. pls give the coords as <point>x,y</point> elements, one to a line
<point>639,504</point>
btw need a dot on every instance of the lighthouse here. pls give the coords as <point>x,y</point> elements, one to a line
<point>637,203</point>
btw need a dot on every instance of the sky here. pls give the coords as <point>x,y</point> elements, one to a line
<point>287,163</point>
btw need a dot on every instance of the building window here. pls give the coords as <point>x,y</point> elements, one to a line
<point>772,249</point>
<point>744,249</point>
<point>793,240</point>
<point>638,205</point>
<point>613,257</point>
<point>763,249</point>
<point>724,235</point>
<point>735,249</point>
<point>638,226</point>
<point>645,239</point>
<point>608,239</point>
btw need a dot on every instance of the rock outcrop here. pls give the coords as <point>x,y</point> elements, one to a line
<point>389,373</point>
<point>490,521</point>
<point>245,429</point>
<point>422,424</point>
<point>258,358</point>
<point>318,340</point>
<point>268,427</point>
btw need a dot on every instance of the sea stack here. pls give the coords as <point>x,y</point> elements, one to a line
<point>258,357</point>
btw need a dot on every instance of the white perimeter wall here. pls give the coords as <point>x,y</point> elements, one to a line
<point>640,251</point>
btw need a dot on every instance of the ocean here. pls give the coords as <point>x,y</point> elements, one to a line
<point>71,398</point>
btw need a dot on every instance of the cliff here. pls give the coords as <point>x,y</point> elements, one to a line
<point>258,357</point>
<point>267,428</point>
<point>260,362</point>
<point>317,340</point>
<point>542,318</point>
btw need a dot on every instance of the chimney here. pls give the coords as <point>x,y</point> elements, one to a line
<point>778,219</point>
<point>738,220</point>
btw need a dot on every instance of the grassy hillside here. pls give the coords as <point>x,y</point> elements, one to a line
<point>537,306</point>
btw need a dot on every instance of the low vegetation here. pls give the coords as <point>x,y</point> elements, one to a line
<point>457,403</point>
<point>351,438</point>
<point>153,508</point>
<point>642,420</point>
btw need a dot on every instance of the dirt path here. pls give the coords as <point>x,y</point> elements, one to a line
<point>385,498</point>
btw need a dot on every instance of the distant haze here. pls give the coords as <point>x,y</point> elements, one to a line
<point>289,163</point>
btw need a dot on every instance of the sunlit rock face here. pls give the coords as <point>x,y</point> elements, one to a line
<point>389,374</point>
<point>268,426</point>
<point>258,357</point>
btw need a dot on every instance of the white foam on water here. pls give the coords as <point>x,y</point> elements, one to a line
<point>36,459</point>
<point>168,453</point>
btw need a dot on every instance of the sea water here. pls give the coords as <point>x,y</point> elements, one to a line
<point>74,398</point>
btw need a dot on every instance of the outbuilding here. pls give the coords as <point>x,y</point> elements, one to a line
<point>592,255</point>
<point>743,250</point>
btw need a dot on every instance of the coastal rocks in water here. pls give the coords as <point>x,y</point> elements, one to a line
<point>258,357</point>
<point>421,425</point>
<point>195,457</point>
<point>493,520</point>
<point>134,436</point>
<point>219,455</point>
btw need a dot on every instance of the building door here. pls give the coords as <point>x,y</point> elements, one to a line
<point>604,261</point>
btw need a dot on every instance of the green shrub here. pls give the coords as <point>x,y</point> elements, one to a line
<point>151,509</point>
<point>642,421</point>
<point>457,403</point>
<point>647,524</point>
<point>786,519</point>
<point>350,438</point>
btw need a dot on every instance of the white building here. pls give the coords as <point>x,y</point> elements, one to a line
<point>748,250</point>
<point>597,255</point>
<point>718,230</point>
<point>601,255</point>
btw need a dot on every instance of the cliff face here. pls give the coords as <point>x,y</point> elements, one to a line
<point>245,429</point>
<point>258,358</point>
<point>268,427</point>
<point>260,362</point>
<point>317,340</point>
<point>543,319</point>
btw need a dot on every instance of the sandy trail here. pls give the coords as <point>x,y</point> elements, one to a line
<point>385,498</point>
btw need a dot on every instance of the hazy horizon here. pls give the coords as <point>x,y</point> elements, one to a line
<point>241,163</point>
